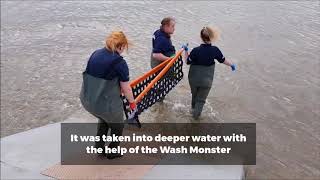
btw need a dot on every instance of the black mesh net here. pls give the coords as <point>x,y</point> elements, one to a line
<point>158,91</point>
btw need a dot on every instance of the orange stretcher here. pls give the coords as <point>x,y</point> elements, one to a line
<point>165,66</point>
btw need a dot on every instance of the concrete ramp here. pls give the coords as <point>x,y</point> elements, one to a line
<point>28,154</point>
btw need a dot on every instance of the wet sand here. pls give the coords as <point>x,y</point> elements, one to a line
<point>45,46</point>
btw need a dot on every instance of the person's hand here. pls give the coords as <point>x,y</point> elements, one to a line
<point>233,67</point>
<point>185,47</point>
<point>133,106</point>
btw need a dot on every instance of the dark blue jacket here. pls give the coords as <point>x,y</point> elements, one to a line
<point>205,54</point>
<point>161,43</point>
<point>107,65</point>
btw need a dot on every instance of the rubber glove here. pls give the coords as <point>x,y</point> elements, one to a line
<point>185,47</point>
<point>233,67</point>
<point>133,106</point>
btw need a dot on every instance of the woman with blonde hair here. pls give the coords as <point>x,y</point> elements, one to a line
<point>201,72</point>
<point>105,77</point>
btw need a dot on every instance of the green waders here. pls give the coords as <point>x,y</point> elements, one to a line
<point>102,99</point>
<point>200,81</point>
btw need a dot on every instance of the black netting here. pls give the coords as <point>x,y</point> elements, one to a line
<point>158,91</point>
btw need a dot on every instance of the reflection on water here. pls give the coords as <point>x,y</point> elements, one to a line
<point>45,46</point>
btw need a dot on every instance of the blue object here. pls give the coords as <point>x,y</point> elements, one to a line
<point>185,47</point>
<point>233,67</point>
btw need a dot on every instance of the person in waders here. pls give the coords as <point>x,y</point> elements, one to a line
<point>202,63</point>
<point>162,47</point>
<point>105,77</point>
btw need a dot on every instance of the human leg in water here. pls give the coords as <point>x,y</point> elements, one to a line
<point>193,99</point>
<point>200,99</point>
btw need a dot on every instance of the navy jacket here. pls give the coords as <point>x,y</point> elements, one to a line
<point>107,65</point>
<point>161,43</point>
<point>205,54</point>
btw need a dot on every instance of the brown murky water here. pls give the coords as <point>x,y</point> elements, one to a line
<point>45,46</point>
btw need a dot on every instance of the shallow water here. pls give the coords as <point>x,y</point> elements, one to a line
<point>45,46</point>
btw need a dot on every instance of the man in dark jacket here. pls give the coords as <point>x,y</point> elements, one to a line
<point>162,47</point>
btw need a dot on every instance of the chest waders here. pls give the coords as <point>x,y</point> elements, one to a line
<point>102,98</point>
<point>200,81</point>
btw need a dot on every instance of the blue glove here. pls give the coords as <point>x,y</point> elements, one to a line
<point>233,67</point>
<point>185,47</point>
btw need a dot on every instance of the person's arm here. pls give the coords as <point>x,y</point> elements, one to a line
<point>159,47</point>
<point>191,57</point>
<point>227,62</point>
<point>123,73</point>
<point>159,56</point>
<point>127,91</point>
<point>186,55</point>
<point>223,60</point>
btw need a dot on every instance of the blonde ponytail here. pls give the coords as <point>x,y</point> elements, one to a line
<point>209,34</point>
